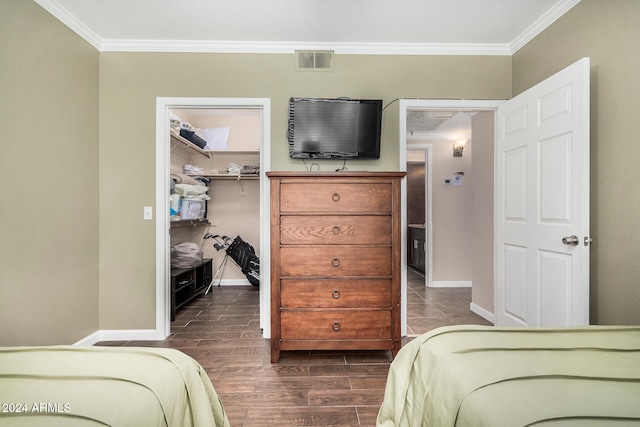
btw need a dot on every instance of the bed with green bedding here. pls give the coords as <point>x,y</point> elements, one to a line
<point>485,376</point>
<point>105,386</point>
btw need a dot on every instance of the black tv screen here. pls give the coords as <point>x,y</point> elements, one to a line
<point>340,128</point>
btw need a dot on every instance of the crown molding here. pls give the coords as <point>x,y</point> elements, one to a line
<point>543,23</point>
<point>422,48</point>
<point>206,46</point>
<point>210,46</point>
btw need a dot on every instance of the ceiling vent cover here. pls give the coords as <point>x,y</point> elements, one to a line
<point>426,121</point>
<point>314,60</point>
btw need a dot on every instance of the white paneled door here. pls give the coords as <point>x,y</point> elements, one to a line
<point>542,203</point>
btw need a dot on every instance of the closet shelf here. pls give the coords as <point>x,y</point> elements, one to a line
<point>227,176</point>
<point>189,223</point>
<point>175,136</point>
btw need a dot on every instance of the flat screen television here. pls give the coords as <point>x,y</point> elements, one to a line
<point>334,128</point>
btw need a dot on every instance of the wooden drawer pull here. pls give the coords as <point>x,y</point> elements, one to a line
<point>335,230</point>
<point>335,262</point>
<point>335,294</point>
<point>335,326</point>
<point>335,197</point>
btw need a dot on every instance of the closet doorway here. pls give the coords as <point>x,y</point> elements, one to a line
<point>255,107</point>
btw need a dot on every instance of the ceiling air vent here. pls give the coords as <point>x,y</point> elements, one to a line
<point>314,60</point>
<point>426,121</point>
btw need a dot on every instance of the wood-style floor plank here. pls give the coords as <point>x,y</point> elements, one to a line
<point>302,416</point>
<point>221,331</point>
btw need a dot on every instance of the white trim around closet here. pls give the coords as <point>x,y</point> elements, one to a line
<point>163,105</point>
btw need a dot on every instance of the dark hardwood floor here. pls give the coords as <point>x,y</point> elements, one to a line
<point>221,331</point>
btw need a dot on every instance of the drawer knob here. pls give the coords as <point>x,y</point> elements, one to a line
<point>335,197</point>
<point>335,262</point>
<point>335,326</point>
<point>335,230</point>
<point>335,294</point>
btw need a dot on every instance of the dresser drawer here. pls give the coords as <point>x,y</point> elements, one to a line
<point>335,325</point>
<point>332,229</point>
<point>335,293</point>
<point>335,197</point>
<point>338,260</point>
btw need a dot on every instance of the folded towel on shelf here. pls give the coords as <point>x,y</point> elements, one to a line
<point>233,168</point>
<point>198,192</point>
<point>183,179</point>
<point>250,170</point>
<point>192,170</point>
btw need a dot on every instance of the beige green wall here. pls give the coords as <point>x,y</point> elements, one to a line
<point>49,176</point>
<point>607,32</point>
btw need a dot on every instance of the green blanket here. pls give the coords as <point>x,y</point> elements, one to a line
<point>87,386</point>
<point>485,376</point>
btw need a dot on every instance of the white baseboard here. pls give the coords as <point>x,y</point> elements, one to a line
<point>482,312</point>
<point>119,335</point>
<point>142,334</point>
<point>450,284</point>
<point>232,282</point>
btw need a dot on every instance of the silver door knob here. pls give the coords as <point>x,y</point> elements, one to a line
<point>570,241</point>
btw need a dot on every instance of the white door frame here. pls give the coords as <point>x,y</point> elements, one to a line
<point>163,105</point>
<point>425,104</point>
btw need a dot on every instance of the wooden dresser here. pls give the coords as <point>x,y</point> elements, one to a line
<point>335,261</point>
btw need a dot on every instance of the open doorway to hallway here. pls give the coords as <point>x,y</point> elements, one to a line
<point>439,174</point>
<point>458,225</point>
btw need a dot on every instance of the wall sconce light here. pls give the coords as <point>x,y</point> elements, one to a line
<point>458,146</point>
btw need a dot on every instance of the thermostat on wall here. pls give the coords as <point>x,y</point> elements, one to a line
<point>457,179</point>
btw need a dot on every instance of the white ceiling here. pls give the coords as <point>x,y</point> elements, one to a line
<point>485,27</point>
<point>413,27</point>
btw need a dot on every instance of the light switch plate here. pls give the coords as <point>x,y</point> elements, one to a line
<point>148,213</point>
